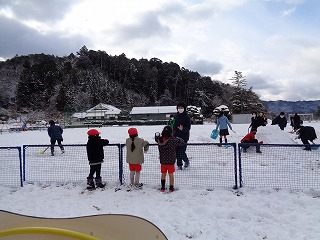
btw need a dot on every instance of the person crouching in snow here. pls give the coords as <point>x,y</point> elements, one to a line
<point>167,145</point>
<point>251,138</point>
<point>135,148</point>
<point>95,157</point>
<point>306,134</point>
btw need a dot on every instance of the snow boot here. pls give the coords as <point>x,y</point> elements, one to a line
<point>90,184</point>
<point>99,183</point>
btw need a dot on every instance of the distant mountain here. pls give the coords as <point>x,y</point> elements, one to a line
<point>291,107</point>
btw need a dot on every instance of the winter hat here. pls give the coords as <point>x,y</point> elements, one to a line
<point>93,132</point>
<point>167,132</point>
<point>51,122</point>
<point>132,131</point>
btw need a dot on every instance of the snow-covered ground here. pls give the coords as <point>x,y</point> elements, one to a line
<point>187,213</point>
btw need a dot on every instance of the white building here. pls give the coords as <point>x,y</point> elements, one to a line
<point>99,113</point>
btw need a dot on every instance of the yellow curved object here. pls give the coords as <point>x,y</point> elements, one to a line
<point>47,230</point>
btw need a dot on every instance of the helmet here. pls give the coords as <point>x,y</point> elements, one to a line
<point>132,131</point>
<point>93,132</point>
<point>167,131</point>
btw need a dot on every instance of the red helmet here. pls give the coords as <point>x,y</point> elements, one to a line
<point>93,132</point>
<point>132,131</point>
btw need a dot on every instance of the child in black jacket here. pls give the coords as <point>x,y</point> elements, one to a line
<point>95,157</point>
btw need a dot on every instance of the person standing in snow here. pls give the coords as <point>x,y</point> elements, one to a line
<point>171,121</point>
<point>135,148</point>
<point>95,157</point>
<point>280,120</point>
<point>167,145</point>
<point>306,134</point>
<point>296,122</point>
<point>181,129</point>
<point>223,124</point>
<point>254,121</point>
<point>251,138</point>
<point>55,134</point>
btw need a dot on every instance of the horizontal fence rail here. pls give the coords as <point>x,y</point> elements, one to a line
<point>279,166</point>
<point>11,166</point>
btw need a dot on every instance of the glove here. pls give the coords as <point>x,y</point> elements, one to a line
<point>157,136</point>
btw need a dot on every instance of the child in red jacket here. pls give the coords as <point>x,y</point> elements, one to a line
<point>251,138</point>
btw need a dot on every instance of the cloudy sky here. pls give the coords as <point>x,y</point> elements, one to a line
<point>275,43</point>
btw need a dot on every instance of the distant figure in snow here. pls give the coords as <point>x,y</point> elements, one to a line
<point>280,120</point>
<point>55,134</point>
<point>251,138</point>
<point>223,124</point>
<point>296,122</point>
<point>254,121</point>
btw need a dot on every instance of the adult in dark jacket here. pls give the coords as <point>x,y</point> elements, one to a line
<point>181,129</point>
<point>306,134</point>
<point>55,134</point>
<point>95,157</point>
<point>254,121</point>
<point>296,122</point>
<point>280,120</point>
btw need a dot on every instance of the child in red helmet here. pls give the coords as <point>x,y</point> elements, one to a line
<point>135,148</point>
<point>95,156</point>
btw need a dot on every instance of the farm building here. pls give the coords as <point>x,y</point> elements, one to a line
<point>152,113</point>
<point>99,113</point>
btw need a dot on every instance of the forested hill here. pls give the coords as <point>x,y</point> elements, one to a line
<point>292,107</point>
<point>51,84</point>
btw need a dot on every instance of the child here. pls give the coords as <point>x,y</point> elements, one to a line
<point>95,156</point>
<point>223,124</point>
<point>171,121</point>
<point>135,147</point>
<point>167,145</point>
<point>251,138</point>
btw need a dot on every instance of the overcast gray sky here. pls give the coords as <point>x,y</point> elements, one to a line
<point>275,43</point>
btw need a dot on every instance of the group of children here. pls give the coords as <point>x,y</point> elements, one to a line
<point>135,148</point>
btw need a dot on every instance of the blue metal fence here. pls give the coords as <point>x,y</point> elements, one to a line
<point>211,165</point>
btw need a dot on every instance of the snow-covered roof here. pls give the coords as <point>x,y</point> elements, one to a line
<point>154,110</point>
<point>103,109</point>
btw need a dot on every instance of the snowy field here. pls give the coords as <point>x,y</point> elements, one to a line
<point>223,213</point>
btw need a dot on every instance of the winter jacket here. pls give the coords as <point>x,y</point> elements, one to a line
<point>55,132</point>
<point>223,123</point>
<point>282,122</point>
<point>250,137</point>
<point>167,149</point>
<point>255,122</point>
<point>95,149</point>
<point>307,133</point>
<point>137,156</point>
<point>184,120</point>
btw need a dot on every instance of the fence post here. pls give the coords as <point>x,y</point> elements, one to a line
<point>240,165</point>
<point>21,171</point>
<point>234,145</point>
<point>120,162</point>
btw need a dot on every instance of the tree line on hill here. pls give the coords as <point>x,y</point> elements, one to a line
<point>51,85</point>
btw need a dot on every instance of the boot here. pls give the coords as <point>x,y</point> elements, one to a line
<point>99,183</point>
<point>90,184</point>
